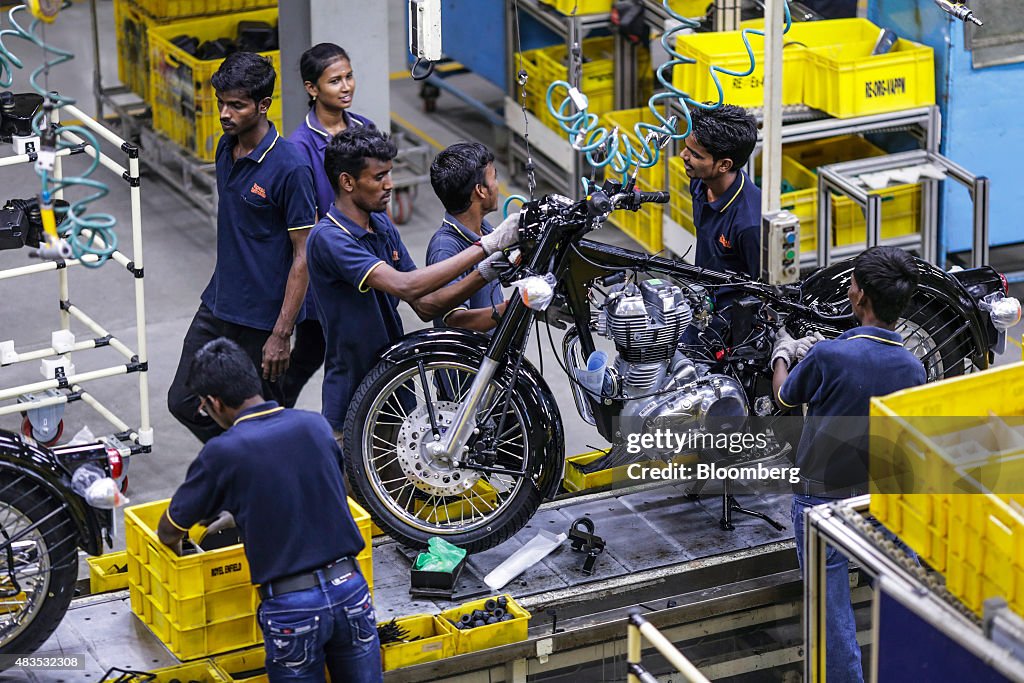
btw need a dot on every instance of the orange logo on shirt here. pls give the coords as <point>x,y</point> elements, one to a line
<point>724,242</point>
<point>256,189</point>
<point>394,255</point>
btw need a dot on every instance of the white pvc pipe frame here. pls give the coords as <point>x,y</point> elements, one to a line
<point>144,435</point>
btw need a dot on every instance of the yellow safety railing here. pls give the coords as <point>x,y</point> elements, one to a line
<point>639,628</point>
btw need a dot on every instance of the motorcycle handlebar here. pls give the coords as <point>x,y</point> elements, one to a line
<point>654,197</point>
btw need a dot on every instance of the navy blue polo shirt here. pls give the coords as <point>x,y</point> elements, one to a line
<point>261,198</point>
<point>729,228</point>
<point>359,322</point>
<point>311,138</point>
<point>281,474</point>
<point>837,380</point>
<point>450,239</point>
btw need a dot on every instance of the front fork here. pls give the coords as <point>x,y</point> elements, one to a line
<point>514,327</point>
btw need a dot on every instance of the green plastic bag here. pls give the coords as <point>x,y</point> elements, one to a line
<point>442,556</point>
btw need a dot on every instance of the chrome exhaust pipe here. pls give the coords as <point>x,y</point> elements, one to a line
<point>573,361</point>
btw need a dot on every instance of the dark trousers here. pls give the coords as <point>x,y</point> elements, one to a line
<point>307,357</point>
<point>183,404</point>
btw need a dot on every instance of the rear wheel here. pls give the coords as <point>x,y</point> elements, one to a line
<point>413,495</point>
<point>38,563</point>
<point>931,329</point>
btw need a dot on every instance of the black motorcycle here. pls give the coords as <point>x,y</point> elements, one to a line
<point>43,523</point>
<point>456,434</point>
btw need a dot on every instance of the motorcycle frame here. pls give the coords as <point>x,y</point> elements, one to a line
<point>576,262</point>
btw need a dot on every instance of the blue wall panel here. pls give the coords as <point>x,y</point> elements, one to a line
<point>981,123</point>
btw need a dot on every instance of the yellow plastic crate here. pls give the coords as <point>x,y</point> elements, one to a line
<point>597,80</point>
<point>690,8</point>
<point>435,640</point>
<point>845,80</point>
<point>576,480</point>
<point>901,204</point>
<point>921,520</point>
<point>184,102</point>
<point>644,225</point>
<point>108,572</point>
<point>680,203</point>
<point>726,50</point>
<point>199,672</point>
<point>131,26</point>
<point>535,89</point>
<point>626,121</point>
<point>188,576</point>
<point>946,470</point>
<point>192,643</point>
<point>180,9</point>
<point>484,637</point>
<point>986,550</point>
<point>581,6</point>
<point>242,662</point>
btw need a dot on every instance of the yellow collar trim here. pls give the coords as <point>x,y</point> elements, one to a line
<point>264,155</point>
<point>743,181</point>
<point>259,414</point>
<point>335,221</point>
<point>877,339</point>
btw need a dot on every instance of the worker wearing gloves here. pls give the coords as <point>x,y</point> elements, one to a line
<point>836,380</point>
<point>330,84</point>
<point>265,211</point>
<point>726,202</point>
<point>316,606</point>
<point>360,269</point>
<point>465,180</point>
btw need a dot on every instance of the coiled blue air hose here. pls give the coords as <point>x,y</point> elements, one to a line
<point>622,151</point>
<point>85,233</point>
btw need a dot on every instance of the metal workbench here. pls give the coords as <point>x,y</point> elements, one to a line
<point>664,551</point>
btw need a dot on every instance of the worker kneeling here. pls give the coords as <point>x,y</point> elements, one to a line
<point>280,474</point>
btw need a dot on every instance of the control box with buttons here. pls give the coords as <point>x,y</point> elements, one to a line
<point>780,248</point>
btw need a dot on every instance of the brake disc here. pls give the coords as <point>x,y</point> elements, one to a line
<point>433,475</point>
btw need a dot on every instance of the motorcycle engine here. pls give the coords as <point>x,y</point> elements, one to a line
<point>646,321</point>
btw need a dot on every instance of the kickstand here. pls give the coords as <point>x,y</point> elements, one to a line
<point>731,505</point>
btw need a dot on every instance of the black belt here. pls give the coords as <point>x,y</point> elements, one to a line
<point>307,580</point>
<point>809,487</point>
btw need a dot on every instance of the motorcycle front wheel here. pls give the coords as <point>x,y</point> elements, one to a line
<point>414,496</point>
<point>38,563</point>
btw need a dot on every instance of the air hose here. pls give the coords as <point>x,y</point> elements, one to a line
<point>622,151</point>
<point>84,233</point>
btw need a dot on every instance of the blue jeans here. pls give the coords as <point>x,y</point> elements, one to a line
<point>333,624</point>
<point>842,661</point>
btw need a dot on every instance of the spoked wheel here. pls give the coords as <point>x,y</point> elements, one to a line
<point>38,563</point>
<point>475,501</point>
<point>931,329</point>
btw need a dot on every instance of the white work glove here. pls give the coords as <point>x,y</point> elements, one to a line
<point>503,237</point>
<point>785,348</point>
<point>223,520</point>
<point>492,266</point>
<point>804,344</point>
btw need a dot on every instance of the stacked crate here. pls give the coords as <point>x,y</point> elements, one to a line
<point>202,604</point>
<point>134,18</point>
<point>947,467</point>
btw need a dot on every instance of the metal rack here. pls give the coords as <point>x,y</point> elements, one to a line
<point>66,384</point>
<point>801,123</point>
<point>834,526</point>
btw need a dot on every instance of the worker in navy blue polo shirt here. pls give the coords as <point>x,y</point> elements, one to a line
<point>302,548</point>
<point>360,269</point>
<point>331,84</point>
<point>836,379</point>
<point>726,203</point>
<point>465,180</point>
<point>265,211</point>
